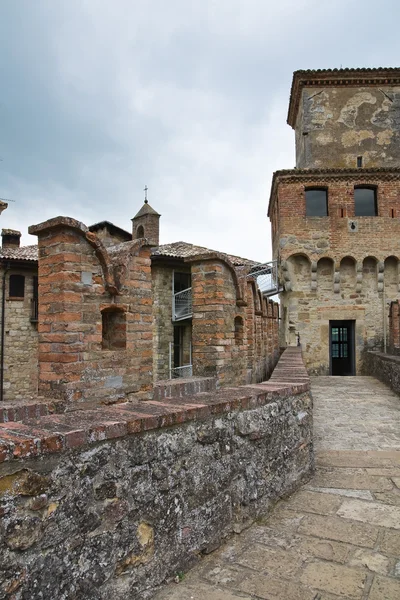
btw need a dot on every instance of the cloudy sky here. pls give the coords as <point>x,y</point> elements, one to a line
<point>102,97</point>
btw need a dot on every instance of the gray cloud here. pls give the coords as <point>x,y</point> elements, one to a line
<point>190,98</point>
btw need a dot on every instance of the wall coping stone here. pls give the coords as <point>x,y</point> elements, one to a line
<point>52,433</point>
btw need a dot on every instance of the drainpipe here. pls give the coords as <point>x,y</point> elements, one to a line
<point>3,310</point>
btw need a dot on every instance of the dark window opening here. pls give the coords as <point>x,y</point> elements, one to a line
<point>239,331</point>
<point>341,212</point>
<point>317,202</point>
<point>113,329</point>
<point>35,300</point>
<point>392,213</point>
<point>17,286</point>
<point>359,162</point>
<point>365,202</point>
<point>182,281</point>
<point>140,232</point>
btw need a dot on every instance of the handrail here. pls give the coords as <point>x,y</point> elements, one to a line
<point>182,305</point>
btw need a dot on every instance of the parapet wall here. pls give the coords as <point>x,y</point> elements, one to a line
<point>385,367</point>
<point>109,503</point>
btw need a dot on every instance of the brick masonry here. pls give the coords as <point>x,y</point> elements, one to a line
<point>143,490</point>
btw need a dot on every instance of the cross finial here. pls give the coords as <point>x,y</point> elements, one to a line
<point>145,194</point>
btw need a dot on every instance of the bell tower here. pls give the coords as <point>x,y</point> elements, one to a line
<point>146,223</point>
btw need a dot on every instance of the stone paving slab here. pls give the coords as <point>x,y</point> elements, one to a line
<point>339,536</point>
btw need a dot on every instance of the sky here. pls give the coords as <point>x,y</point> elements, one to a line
<point>189,97</point>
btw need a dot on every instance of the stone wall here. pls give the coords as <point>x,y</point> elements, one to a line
<point>20,340</point>
<point>110,503</point>
<point>331,271</point>
<point>385,367</point>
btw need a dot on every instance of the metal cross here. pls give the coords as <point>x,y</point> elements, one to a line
<point>145,194</point>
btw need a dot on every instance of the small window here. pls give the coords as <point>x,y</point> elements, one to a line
<point>365,202</point>
<point>182,281</point>
<point>238,331</point>
<point>317,202</point>
<point>113,329</point>
<point>17,286</point>
<point>359,162</point>
<point>140,232</point>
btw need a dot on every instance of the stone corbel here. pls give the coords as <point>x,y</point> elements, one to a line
<point>359,276</point>
<point>380,270</point>
<point>313,276</point>
<point>287,284</point>
<point>336,279</point>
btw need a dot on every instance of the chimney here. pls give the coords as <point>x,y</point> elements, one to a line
<point>10,238</point>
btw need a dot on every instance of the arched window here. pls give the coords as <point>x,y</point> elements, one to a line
<point>316,202</point>
<point>238,331</point>
<point>17,286</point>
<point>113,320</point>
<point>365,201</point>
<point>140,232</point>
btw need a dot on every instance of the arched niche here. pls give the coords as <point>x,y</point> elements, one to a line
<point>348,276</point>
<point>391,277</point>
<point>300,272</point>
<point>325,272</point>
<point>370,275</point>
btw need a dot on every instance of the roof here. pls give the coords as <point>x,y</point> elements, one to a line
<point>184,250</point>
<point>23,253</point>
<point>337,77</point>
<point>14,232</point>
<point>113,229</point>
<point>146,210</point>
<point>291,175</point>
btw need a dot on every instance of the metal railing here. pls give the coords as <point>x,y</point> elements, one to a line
<point>267,278</point>
<point>182,305</point>
<point>183,370</point>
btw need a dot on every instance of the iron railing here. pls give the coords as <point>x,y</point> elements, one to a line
<point>182,305</point>
<point>183,370</point>
<point>267,278</point>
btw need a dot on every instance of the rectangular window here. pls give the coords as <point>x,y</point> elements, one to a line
<point>17,286</point>
<point>365,201</point>
<point>316,202</point>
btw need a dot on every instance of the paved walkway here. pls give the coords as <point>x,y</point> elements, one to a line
<point>339,536</point>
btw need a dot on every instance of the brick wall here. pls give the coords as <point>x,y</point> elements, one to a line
<point>332,272</point>
<point>78,282</point>
<point>20,340</point>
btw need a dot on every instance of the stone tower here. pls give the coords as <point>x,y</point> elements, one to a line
<point>336,216</point>
<point>146,224</point>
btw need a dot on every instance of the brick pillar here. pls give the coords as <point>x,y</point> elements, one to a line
<point>214,309</point>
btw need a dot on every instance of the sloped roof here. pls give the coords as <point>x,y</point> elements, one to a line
<point>146,210</point>
<point>113,229</point>
<point>186,250</point>
<point>23,253</point>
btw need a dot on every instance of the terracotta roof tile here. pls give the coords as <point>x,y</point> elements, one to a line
<point>185,250</point>
<point>23,253</point>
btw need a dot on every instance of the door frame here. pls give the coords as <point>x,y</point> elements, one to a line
<point>351,324</point>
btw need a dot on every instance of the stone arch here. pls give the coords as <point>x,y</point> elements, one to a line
<point>391,277</point>
<point>140,232</point>
<point>370,278</point>
<point>240,300</point>
<point>348,274</point>
<point>299,266</point>
<point>325,274</point>
<point>239,330</point>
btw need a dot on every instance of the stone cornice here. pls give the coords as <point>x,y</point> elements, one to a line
<point>326,175</point>
<point>335,78</point>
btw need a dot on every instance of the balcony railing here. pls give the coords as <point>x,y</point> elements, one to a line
<point>267,278</point>
<point>182,305</point>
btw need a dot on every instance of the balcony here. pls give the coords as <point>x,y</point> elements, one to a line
<point>182,305</point>
<point>267,278</point>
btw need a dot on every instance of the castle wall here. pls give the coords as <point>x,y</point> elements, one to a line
<point>337,124</point>
<point>20,340</point>
<point>108,503</point>
<point>336,267</point>
<point>95,316</point>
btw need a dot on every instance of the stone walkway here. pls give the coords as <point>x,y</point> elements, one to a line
<point>337,537</point>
